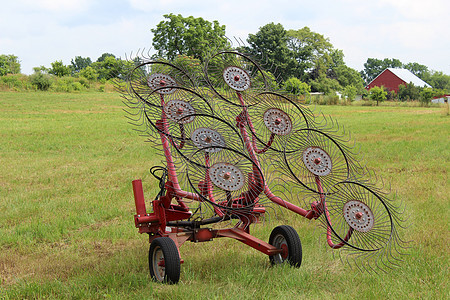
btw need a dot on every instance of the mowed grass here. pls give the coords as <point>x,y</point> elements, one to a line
<point>66,204</point>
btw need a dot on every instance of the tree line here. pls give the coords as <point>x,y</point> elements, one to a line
<point>301,60</point>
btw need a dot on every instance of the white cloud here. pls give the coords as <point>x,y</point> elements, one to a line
<point>57,6</point>
<point>46,30</point>
<point>419,9</point>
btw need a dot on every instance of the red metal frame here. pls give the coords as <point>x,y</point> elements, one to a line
<point>163,211</point>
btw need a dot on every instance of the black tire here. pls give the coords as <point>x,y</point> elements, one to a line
<point>286,238</point>
<point>164,260</point>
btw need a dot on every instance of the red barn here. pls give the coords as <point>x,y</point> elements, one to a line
<point>391,78</point>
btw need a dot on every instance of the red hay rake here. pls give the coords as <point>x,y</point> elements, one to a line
<point>232,145</point>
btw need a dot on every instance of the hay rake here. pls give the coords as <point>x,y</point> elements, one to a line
<point>230,141</point>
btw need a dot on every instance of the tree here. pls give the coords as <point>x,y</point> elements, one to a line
<point>349,92</point>
<point>41,69</point>
<point>104,56</point>
<point>378,94</point>
<point>438,80</point>
<point>324,84</point>
<point>296,87</point>
<point>59,69</point>
<point>373,67</point>
<point>80,63</point>
<point>417,69</point>
<point>408,92</point>
<point>178,35</point>
<point>307,47</point>
<point>9,64</point>
<point>89,73</point>
<point>426,95</point>
<point>109,67</point>
<point>270,43</point>
<point>347,76</point>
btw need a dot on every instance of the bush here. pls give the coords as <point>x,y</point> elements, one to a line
<point>15,82</point>
<point>378,94</point>
<point>41,81</point>
<point>85,82</point>
<point>77,86</point>
<point>296,87</point>
<point>324,99</point>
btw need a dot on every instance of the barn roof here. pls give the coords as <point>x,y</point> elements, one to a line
<point>408,77</point>
<point>405,75</point>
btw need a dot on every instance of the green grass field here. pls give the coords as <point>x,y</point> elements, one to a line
<point>66,204</point>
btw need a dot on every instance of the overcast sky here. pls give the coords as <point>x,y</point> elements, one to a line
<point>42,31</point>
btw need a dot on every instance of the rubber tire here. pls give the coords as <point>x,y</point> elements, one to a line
<point>286,235</point>
<point>165,246</point>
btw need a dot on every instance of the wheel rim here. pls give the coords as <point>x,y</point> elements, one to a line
<point>236,78</point>
<point>280,242</point>
<point>358,215</point>
<point>158,264</point>
<point>226,176</point>
<point>157,81</point>
<point>277,121</point>
<point>317,161</point>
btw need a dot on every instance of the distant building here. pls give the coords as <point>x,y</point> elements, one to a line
<point>441,99</point>
<point>391,79</point>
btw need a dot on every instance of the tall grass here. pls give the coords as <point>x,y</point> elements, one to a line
<point>67,230</point>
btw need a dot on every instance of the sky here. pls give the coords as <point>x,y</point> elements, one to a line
<point>40,32</point>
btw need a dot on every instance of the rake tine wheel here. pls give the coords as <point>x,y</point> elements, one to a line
<point>363,221</point>
<point>310,153</point>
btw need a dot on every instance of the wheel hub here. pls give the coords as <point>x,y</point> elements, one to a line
<point>159,80</point>
<point>317,161</point>
<point>226,176</point>
<point>179,111</point>
<point>208,139</point>
<point>277,121</point>
<point>236,78</point>
<point>159,265</point>
<point>358,215</point>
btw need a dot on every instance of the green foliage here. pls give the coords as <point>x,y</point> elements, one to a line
<point>392,95</point>
<point>104,56</point>
<point>324,99</point>
<point>296,87</point>
<point>41,81</point>
<point>268,81</point>
<point>373,67</point>
<point>419,70</point>
<point>347,76</point>
<point>188,63</point>
<point>307,48</point>
<point>9,64</point>
<point>438,80</point>
<point>108,68</point>
<point>270,43</point>
<point>325,85</point>
<point>15,82</point>
<point>41,69</point>
<point>349,92</point>
<point>178,35</point>
<point>59,69</point>
<point>408,92</point>
<point>80,63</point>
<point>89,73</point>
<point>426,94</point>
<point>67,84</point>
<point>378,94</point>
